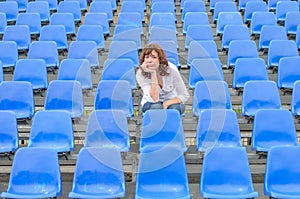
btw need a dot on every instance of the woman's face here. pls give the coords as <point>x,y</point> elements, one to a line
<point>152,59</point>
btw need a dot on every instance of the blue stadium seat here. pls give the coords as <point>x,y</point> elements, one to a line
<point>273,127</point>
<point>41,7</point>
<point>171,51</point>
<point>22,4</point>
<point>259,19</point>
<point>223,6</point>
<point>52,129</point>
<point>97,19</point>
<point>18,33</point>
<point>102,6</point>
<point>205,70</point>
<point>133,6</point>
<point>33,20</point>
<point>269,33</point>
<point>242,4</point>
<point>108,128</point>
<point>70,7</point>
<point>83,5</point>
<point>17,96</point>
<point>37,51</point>
<point>65,95</point>
<point>124,49</point>
<point>162,19</point>
<point>273,3</point>
<point>283,7</point>
<point>282,173</point>
<point>98,167</point>
<point>91,33</point>
<point>8,53</point>
<point>217,127</point>
<point>221,164</point>
<point>292,21</point>
<point>192,34</point>
<point>254,6</point>
<point>56,33</point>
<point>85,50</point>
<point>158,33</point>
<point>202,49</point>
<point>113,4</point>
<point>195,18</point>
<point>52,5</point>
<point>65,19</point>
<point>210,95</point>
<point>192,6</point>
<point>114,94</point>
<point>130,18</point>
<point>241,49</point>
<point>3,23</point>
<point>143,2</point>
<point>24,72</point>
<point>9,137</point>
<point>247,69</point>
<point>168,172</point>
<point>11,10</point>
<point>288,72</point>
<point>128,33</point>
<point>259,94</point>
<point>213,3</point>
<point>76,69</point>
<point>228,18</point>
<point>298,37</point>
<point>119,69</point>
<point>164,7</point>
<point>295,102</point>
<point>234,32</point>
<point>279,49</point>
<point>35,173</point>
<point>161,128</point>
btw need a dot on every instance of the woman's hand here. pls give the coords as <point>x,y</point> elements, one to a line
<point>150,68</point>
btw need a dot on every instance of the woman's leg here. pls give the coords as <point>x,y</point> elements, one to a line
<point>150,105</point>
<point>180,107</point>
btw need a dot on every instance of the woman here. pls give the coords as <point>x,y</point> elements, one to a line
<point>160,80</point>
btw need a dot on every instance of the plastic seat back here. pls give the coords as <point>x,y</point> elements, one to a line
<point>259,19</point>
<point>269,33</point>
<point>134,6</point>
<point>98,19</point>
<point>128,33</point>
<point>3,23</point>
<point>192,34</point>
<point>83,5</point>
<point>70,7</point>
<point>11,10</point>
<point>102,6</point>
<point>228,18</point>
<point>234,32</point>
<point>130,18</point>
<point>223,6</point>
<point>55,33</point>
<point>292,21</point>
<point>283,7</point>
<point>9,137</point>
<point>8,53</point>
<point>65,19</point>
<point>192,6</point>
<point>18,33</point>
<point>295,101</point>
<point>254,6</point>
<point>288,72</point>
<point>91,33</point>
<point>41,7</point>
<point>33,20</point>
<point>52,4</point>
<point>195,18</point>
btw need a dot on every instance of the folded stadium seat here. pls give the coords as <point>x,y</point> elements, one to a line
<point>33,20</point>
<point>24,72</point>
<point>254,6</point>
<point>292,21</point>
<point>98,167</point>
<point>114,94</point>
<point>283,7</point>
<point>217,127</point>
<point>221,164</point>
<point>279,49</point>
<point>97,19</point>
<point>130,18</point>
<point>164,7</point>
<point>124,49</point>
<point>134,6</point>
<point>241,49</point>
<point>212,4</point>
<point>76,69</point>
<point>41,7</point>
<point>157,33</point>
<point>205,70</point>
<point>202,49</point>
<point>257,95</point>
<point>295,102</point>
<point>18,33</point>
<point>9,138</point>
<point>128,33</point>
<point>160,130</point>
<point>192,6</point>
<point>223,6</point>
<point>288,72</point>
<point>273,3</point>
<point>227,18</point>
<point>247,69</point>
<point>91,33</point>
<point>35,173</point>
<point>8,53</point>
<point>3,23</point>
<point>11,10</point>
<point>192,34</point>
<point>102,7</point>
<point>83,5</point>
<point>282,172</point>
<point>65,95</point>
<point>85,50</point>
<point>52,129</point>
<point>56,33</point>
<point>65,19</point>
<point>108,128</point>
<point>51,57</point>
<point>210,95</point>
<point>273,127</point>
<point>52,5</point>
<point>259,19</point>
<point>269,33</point>
<point>22,4</point>
<point>234,32</point>
<point>194,18</point>
<point>17,96</point>
<point>119,69</point>
<point>168,172</point>
<point>70,7</point>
